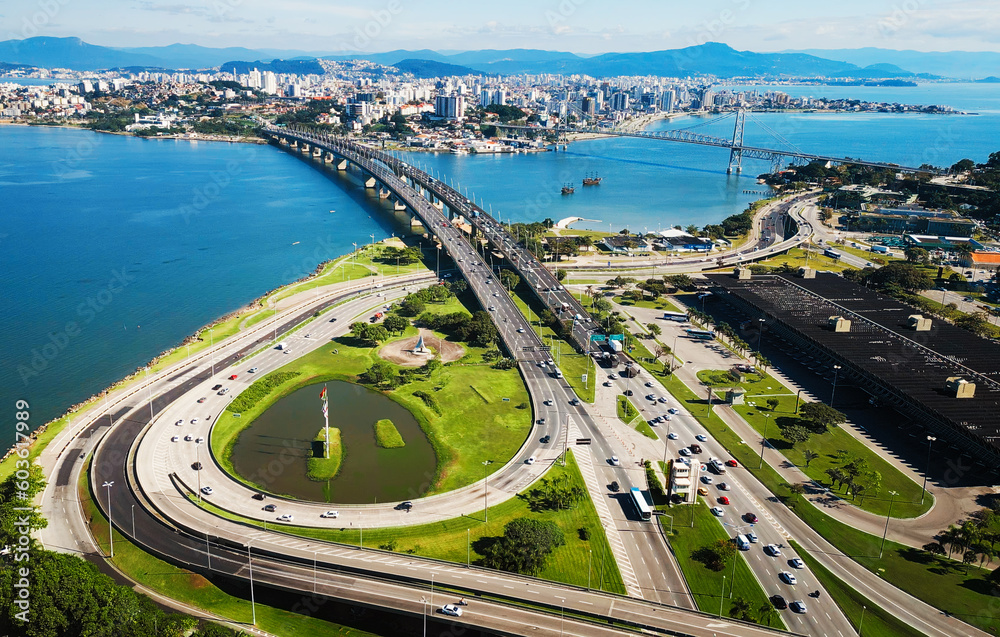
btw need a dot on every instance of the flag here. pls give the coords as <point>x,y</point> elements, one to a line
<point>325,409</point>
<point>322,394</point>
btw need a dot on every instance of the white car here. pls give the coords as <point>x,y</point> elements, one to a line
<point>199,440</point>
<point>613,376</point>
<point>252,370</point>
<point>179,422</point>
<point>285,517</point>
<point>797,562</point>
<point>194,421</point>
<point>661,399</point>
<point>207,490</point>
<point>175,439</point>
<point>548,401</point>
<point>608,383</point>
<point>706,479</point>
<point>650,397</point>
<point>772,550</point>
<point>615,461</point>
<point>672,436</point>
<point>451,609</point>
<point>530,460</point>
<point>684,451</point>
<point>648,383</point>
<point>718,512</point>
<point>188,438</point>
<point>520,330</point>
<point>672,410</point>
<point>701,437</point>
<point>330,514</point>
<point>787,578</point>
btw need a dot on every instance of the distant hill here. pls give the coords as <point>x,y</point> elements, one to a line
<point>69,53</point>
<point>301,67</point>
<point>953,64</point>
<point>993,79</point>
<point>193,56</point>
<point>432,68</point>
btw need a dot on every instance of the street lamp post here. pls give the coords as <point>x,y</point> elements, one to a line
<point>923,489</point>
<point>486,490</point>
<point>836,373</point>
<point>253,604</point>
<point>590,561</point>
<point>722,595</point>
<point>763,440</point>
<point>892,496</point>
<point>111,524</point>
<point>760,332</point>
<point>133,521</point>
<point>862,622</point>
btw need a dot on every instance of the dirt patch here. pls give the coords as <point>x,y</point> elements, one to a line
<point>401,352</point>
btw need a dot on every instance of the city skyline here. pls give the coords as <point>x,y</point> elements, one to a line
<point>577,26</point>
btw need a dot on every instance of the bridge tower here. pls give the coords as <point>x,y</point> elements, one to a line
<point>736,153</point>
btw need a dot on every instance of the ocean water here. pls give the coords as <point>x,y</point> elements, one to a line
<point>113,249</point>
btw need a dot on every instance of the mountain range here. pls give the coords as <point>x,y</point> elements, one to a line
<point>711,58</point>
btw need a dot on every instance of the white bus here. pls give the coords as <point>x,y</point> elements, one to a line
<point>680,317</point>
<point>641,506</point>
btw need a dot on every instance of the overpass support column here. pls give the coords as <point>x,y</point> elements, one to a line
<point>398,205</point>
<point>371,182</point>
<point>327,158</point>
<point>342,164</point>
<point>383,193</point>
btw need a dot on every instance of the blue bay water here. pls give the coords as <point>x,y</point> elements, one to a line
<point>78,209</point>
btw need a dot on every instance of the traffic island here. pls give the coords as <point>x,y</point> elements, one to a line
<point>319,467</point>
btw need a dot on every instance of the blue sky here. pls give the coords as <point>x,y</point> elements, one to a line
<point>582,26</point>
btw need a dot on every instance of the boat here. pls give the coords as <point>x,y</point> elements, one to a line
<point>568,190</point>
<point>592,180</point>
<point>460,151</point>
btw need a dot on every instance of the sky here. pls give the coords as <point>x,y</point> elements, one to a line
<point>579,26</point>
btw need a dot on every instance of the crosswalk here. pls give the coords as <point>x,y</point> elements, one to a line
<point>585,460</point>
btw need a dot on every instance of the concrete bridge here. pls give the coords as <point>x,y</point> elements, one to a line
<point>440,208</point>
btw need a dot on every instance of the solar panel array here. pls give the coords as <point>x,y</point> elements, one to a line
<point>881,344</point>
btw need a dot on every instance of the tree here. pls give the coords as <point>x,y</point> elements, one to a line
<point>561,274</point>
<point>524,547</point>
<point>977,323</point>
<point>968,558</point>
<point>380,373</point>
<point>820,416</point>
<point>412,306</point>
<point>934,548</point>
<point>509,279</point>
<point>766,614</point>
<point>809,455</point>
<point>903,276</point>
<point>796,434</point>
<point>395,324</point>
<point>772,404</point>
<point>741,609</point>
<point>654,329</point>
<point>916,255</point>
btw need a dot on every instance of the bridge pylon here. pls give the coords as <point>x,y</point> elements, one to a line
<point>736,152</point>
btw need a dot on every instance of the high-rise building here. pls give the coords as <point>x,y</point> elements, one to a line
<point>254,80</point>
<point>619,102</point>
<point>450,106</point>
<point>269,83</point>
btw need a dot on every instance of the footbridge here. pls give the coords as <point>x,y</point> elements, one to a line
<point>737,149</point>
<point>442,210</point>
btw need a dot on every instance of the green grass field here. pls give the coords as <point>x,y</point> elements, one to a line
<point>626,410</point>
<point>322,469</point>
<point>387,436</point>
<point>452,539</point>
<point>475,423</point>
<point>706,584</point>
<point>796,258</point>
<point>661,303</point>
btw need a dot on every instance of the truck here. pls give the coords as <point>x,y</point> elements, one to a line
<point>615,345</point>
<point>282,345</point>
<point>833,254</point>
<point>881,249</point>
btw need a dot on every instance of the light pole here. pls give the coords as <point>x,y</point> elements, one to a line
<point>133,521</point>
<point>892,496</point>
<point>111,524</point>
<point>590,562</point>
<point>836,372</point>
<point>722,595</point>
<point>760,331</point>
<point>862,622</point>
<point>763,440</point>
<point>253,605</point>
<point>468,548</point>
<point>923,489</point>
<point>562,613</point>
<point>486,490</point>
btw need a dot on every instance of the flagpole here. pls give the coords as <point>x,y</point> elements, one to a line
<point>326,423</point>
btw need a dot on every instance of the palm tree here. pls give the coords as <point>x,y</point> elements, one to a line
<point>740,609</point>
<point>766,614</point>
<point>950,538</point>
<point>809,456</point>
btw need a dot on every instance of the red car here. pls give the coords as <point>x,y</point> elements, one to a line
<point>731,463</point>
<point>233,377</point>
<point>723,500</point>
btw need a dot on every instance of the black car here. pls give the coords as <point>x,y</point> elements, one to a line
<point>627,392</point>
<point>258,496</point>
<point>217,387</point>
<point>779,602</point>
<point>615,486</point>
<point>196,466</point>
<point>546,439</point>
<point>270,507</point>
<point>404,506</point>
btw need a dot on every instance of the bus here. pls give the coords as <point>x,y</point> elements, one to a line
<point>701,334</point>
<point>641,506</point>
<point>680,317</point>
<point>833,254</point>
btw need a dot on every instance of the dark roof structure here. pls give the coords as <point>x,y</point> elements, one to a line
<point>881,349</point>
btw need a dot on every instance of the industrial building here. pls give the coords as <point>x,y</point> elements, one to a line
<point>944,379</point>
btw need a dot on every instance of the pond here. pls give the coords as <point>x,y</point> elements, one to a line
<point>273,450</point>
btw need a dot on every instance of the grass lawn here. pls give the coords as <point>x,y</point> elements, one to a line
<point>475,423</point>
<point>320,468</point>
<point>796,258</point>
<point>659,304</point>
<point>450,539</point>
<point>706,584</point>
<point>572,364</point>
<point>877,621</point>
<point>626,410</point>
<point>193,589</point>
<point>643,427</point>
<point>387,436</point>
